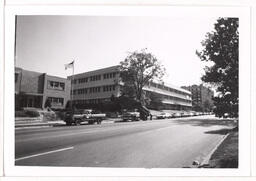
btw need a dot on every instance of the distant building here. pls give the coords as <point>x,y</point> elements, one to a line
<point>32,89</point>
<point>201,97</point>
<point>100,85</point>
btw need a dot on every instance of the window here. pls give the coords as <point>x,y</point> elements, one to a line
<point>107,88</point>
<point>16,77</point>
<point>74,92</point>
<point>56,85</point>
<point>56,101</point>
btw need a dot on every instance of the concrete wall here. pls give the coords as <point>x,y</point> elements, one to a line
<point>31,82</point>
<point>48,92</point>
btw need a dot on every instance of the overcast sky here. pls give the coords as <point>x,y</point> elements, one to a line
<point>46,43</point>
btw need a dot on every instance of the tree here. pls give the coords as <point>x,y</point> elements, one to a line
<point>137,70</point>
<point>47,103</point>
<point>155,101</point>
<point>207,106</point>
<point>221,48</point>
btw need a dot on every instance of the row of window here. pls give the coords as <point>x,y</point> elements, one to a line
<point>106,88</point>
<point>109,75</point>
<point>173,98</point>
<point>176,99</point>
<point>168,89</point>
<point>94,78</point>
<point>56,85</point>
<point>90,101</point>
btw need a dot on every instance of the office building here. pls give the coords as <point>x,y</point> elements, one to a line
<point>201,97</point>
<point>32,89</point>
<point>100,85</point>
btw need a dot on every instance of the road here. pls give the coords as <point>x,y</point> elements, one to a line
<point>169,143</point>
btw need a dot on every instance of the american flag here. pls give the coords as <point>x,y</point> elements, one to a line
<point>69,65</point>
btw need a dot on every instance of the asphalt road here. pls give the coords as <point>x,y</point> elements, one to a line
<point>169,143</point>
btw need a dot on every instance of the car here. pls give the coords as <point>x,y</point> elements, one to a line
<point>192,114</point>
<point>226,115</point>
<point>163,115</point>
<point>132,115</point>
<point>176,115</point>
<point>83,115</point>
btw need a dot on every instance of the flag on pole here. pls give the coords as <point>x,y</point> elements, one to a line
<point>69,65</point>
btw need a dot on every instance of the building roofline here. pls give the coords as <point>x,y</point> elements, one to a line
<point>91,71</point>
<point>21,69</point>
<point>172,86</point>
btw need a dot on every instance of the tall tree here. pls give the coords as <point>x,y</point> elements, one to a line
<point>137,70</point>
<point>221,48</point>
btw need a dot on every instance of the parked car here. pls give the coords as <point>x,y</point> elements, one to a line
<point>132,115</point>
<point>176,115</point>
<point>163,115</point>
<point>192,114</point>
<point>84,115</point>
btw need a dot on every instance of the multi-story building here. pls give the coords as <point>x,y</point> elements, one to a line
<point>100,85</point>
<point>201,97</point>
<point>32,89</point>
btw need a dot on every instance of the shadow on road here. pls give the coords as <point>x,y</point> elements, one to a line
<point>208,122</point>
<point>220,131</point>
<point>64,125</point>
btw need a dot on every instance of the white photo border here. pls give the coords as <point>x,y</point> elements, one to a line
<point>242,12</point>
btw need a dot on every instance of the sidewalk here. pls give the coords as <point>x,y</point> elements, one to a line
<point>33,123</point>
<point>26,122</point>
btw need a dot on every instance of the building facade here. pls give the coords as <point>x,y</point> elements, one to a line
<point>33,89</point>
<point>201,97</point>
<point>100,85</point>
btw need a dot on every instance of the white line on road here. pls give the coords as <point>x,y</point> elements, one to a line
<point>45,153</point>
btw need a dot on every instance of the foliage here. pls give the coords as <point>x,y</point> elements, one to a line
<point>47,103</point>
<point>137,70</point>
<point>221,48</point>
<point>207,106</point>
<point>155,101</point>
<point>27,113</point>
<point>32,113</point>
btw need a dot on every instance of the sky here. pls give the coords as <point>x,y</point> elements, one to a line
<point>45,43</point>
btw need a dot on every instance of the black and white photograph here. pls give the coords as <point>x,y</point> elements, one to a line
<point>131,91</point>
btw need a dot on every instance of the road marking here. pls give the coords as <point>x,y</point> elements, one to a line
<point>45,153</point>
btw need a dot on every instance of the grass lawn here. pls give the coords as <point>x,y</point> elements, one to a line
<point>226,155</point>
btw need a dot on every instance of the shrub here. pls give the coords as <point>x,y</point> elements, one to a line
<point>20,114</point>
<point>32,113</point>
<point>27,113</point>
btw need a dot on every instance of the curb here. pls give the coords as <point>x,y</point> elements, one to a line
<point>206,160</point>
<point>49,124</point>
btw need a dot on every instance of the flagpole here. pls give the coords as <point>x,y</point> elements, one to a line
<point>72,81</point>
